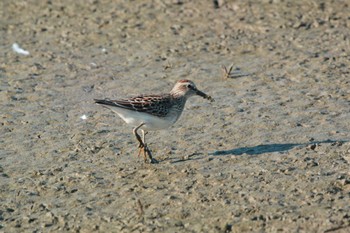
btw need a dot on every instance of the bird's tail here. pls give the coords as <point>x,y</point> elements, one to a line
<point>105,102</point>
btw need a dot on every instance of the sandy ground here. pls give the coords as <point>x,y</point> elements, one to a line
<point>272,153</point>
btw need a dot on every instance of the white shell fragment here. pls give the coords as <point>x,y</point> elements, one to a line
<point>83,117</point>
<point>17,49</point>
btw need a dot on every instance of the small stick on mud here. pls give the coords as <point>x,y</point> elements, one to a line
<point>227,72</point>
<point>139,208</point>
<point>168,66</point>
<point>230,73</point>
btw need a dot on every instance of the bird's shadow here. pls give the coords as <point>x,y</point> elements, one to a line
<point>268,148</point>
<point>256,150</point>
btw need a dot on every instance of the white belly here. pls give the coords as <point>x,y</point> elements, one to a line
<point>150,122</point>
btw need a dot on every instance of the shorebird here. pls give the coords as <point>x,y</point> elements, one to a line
<point>153,112</point>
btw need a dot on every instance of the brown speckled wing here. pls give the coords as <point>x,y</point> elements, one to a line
<point>157,105</point>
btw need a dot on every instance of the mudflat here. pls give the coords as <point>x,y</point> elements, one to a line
<point>271,154</point>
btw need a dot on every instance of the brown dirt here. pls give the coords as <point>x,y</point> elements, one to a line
<point>272,153</point>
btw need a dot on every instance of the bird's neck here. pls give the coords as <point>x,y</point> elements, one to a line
<point>178,96</point>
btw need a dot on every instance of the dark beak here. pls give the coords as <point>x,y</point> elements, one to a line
<point>205,96</point>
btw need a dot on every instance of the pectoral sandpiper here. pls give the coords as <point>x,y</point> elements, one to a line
<point>153,112</point>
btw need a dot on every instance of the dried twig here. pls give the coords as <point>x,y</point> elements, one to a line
<point>227,72</point>
<point>139,208</point>
<point>168,66</point>
<point>230,73</point>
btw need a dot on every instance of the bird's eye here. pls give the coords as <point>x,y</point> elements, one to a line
<point>189,86</point>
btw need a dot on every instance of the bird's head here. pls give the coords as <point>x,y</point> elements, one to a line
<point>186,88</point>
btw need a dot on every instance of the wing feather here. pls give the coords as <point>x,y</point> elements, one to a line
<point>158,105</point>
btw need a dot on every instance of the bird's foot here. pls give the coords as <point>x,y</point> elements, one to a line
<point>146,153</point>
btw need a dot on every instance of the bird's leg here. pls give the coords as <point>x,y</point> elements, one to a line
<point>138,137</point>
<point>143,146</point>
<point>146,150</point>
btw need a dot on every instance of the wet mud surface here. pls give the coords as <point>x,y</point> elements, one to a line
<point>271,154</point>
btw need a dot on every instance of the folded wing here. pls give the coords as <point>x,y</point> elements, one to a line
<point>152,104</point>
